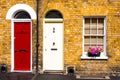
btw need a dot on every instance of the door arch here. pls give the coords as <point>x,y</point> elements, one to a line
<point>21,42</point>
<point>53,30</point>
<point>21,16</point>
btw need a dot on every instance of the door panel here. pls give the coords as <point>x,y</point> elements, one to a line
<point>53,46</point>
<point>22,46</point>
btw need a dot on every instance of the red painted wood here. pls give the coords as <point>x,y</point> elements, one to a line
<point>22,46</point>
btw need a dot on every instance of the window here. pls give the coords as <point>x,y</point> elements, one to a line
<point>94,36</point>
<point>53,14</point>
<point>22,15</point>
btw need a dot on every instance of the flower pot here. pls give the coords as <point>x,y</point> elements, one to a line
<point>93,55</point>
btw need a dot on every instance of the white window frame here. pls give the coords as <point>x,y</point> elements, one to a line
<point>103,54</point>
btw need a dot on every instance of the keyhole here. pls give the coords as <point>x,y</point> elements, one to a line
<point>53,30</point>
<point>53,43</point>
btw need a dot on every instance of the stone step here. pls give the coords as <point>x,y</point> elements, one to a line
<point>53,72</point>
<point>54,77</point>
<point>93,78</point>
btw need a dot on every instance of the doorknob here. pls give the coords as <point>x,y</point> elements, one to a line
<point>45,49</point>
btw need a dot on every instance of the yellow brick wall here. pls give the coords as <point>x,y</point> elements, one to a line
<point>73,12</point>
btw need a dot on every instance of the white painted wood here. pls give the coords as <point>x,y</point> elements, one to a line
<point>105,21</point>
<point>12,11</point>
<point>53,46</point>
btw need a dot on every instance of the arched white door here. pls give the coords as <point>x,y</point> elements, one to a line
<point>53,43</point>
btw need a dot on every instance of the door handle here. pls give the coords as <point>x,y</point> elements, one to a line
<point>22,50</point>
<point>53,49</point>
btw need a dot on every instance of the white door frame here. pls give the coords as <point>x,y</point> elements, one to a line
<point>53,20</point>
<point>12,44</point>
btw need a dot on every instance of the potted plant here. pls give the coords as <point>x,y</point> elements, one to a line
<point>94,51</point>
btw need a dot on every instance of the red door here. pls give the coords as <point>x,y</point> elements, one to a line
<point>22,46</point>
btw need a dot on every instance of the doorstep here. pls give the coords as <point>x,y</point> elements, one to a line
<point>53,72</point>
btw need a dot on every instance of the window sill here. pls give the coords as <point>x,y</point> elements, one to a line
<point>102,57</point>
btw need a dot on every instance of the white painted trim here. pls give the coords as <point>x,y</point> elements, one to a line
<point>12,43</point>
<point>21,20</point>
<point>105,22</point>
<point>104,54</point>
<point>101,57</point>
<point>12,46</point>
<point>83,37</point>
<point>20,7</point>
<point>21,71</point>
<point>53,20</point>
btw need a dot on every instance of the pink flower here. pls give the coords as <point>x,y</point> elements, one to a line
<point>95,51</point>
<point>99,49</point>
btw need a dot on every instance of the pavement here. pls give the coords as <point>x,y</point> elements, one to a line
<point>55,77</point>
<point>114,77</point>
<point>16,76</point>
<point>30,76</point>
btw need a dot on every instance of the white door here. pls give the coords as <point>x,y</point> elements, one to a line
<point>53,46</point>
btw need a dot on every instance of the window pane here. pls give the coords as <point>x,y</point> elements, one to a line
<point>87,26</point>
<point>87,23</point>
<point>87,40</point>
<point>100,22</point>
<point>86,48</point>
<point>93,31</point>
<point>93,46</point>
<point>93,40</point>
<point>100,40</point>
<point>87,31</point>
<point>100,25</point>
<point>100,31</point>
<point>53,14</point>
<point>94,23</point>
<point>22,15</point>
